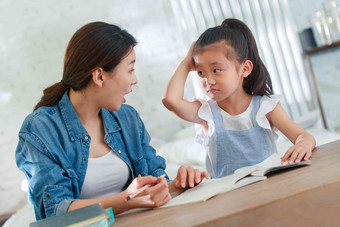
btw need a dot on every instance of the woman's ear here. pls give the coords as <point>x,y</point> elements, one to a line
<point>97,77</point>
<point>247,67</point>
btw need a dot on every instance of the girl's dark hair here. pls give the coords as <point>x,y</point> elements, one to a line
<point>243,47</point>
<point>94,45</point>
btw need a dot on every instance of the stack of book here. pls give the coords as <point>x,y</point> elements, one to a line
<point>93,216</point>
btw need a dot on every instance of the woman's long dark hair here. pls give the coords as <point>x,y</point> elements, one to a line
<point>94,45</point>
<point>238,36</point>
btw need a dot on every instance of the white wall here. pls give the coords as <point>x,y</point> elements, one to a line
<point>34,36</point>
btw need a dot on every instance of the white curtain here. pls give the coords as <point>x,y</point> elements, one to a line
<point>276,37</point>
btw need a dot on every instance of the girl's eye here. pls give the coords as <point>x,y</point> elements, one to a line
<point>132,70</point>
<point>200,73</point>
<point>217,70</point>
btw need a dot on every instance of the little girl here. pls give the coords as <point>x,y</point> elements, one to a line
<point>237,125</point>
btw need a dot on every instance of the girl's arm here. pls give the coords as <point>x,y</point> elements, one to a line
<point>304,143</point>
<point>173,96</point>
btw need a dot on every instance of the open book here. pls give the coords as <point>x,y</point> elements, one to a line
<point>240,178</point>
<point>271,164</point>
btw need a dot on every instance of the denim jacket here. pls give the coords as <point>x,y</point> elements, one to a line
<point>53,151</point>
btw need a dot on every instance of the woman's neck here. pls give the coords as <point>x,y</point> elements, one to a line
<point>85,107</point>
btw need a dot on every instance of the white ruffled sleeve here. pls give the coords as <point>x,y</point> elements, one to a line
<point>267,105</point>
<point>204,112</point>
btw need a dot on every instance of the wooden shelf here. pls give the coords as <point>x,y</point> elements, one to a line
<point>308,54</point>
<point>321,48</point>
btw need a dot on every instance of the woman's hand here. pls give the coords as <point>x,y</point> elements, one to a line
<point>155,194</point>
<point>189,177</point>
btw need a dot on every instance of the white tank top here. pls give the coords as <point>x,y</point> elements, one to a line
<point>106,175</point>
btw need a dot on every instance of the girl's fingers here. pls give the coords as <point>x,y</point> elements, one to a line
<point>197,176</point>
<point>205,175</point>
<point>300,156</point>
<point>189,59</point>
<point>284,159</point>
<point>200,176</point>
<point>191,177</point>
<point>293,156</point>
<point>176,183</point>
<point>308,155</point>
<point>191,49</point>
<point>182,176</point>
<point>296,153</point>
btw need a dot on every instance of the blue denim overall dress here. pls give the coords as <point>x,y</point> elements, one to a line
<point>238,148</point>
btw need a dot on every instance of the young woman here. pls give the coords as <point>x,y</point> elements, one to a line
<point>82,145</point>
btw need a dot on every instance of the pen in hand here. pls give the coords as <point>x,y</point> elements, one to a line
<point>140,190</point>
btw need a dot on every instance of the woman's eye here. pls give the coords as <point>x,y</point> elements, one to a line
<point>217,70</point>
<point>132,70</point>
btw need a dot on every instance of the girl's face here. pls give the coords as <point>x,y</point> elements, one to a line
<point>220,77</point>
<point>120,81</point>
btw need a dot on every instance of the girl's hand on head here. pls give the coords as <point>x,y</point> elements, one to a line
<point>296,153</point>
<point>188,61</point>
<point>189,177</point>
<point>155,195</point>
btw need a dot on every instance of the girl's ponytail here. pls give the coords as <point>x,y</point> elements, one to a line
<point>258,82</point>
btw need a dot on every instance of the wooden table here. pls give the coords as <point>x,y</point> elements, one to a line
<point>304,196</point>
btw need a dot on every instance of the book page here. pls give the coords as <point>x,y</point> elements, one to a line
<point>247,180</point>
<point>208,188</point>
<point>274,163</point>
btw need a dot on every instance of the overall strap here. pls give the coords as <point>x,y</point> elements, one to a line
<point>216,112</point>
<point>256,107</point>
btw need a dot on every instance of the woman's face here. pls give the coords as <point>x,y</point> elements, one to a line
<point>120,81</point>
